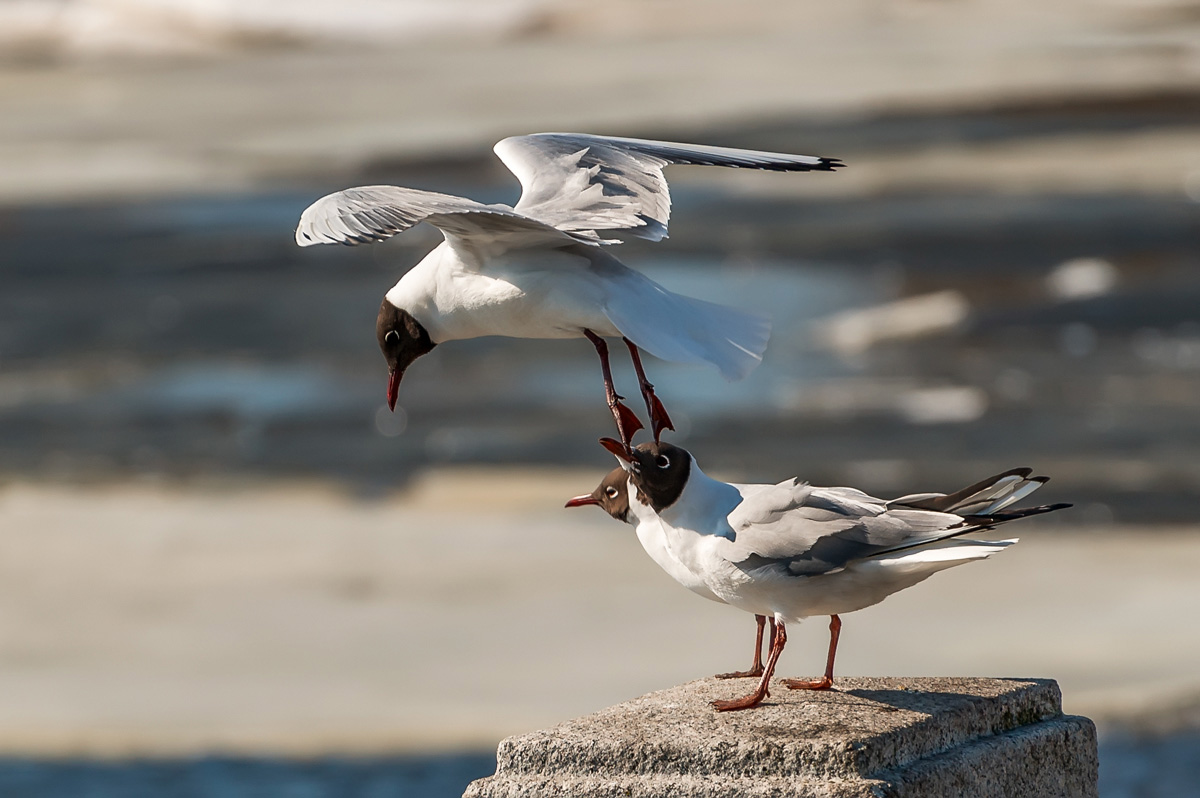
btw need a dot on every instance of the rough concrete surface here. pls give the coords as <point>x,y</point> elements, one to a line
<point>869,737</point>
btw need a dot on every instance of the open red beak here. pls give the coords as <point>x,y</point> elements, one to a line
<point>582,501</point>
<point>393,388</point>
<point>617,448</point>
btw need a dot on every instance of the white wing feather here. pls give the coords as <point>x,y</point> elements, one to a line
<point>375,213</point>
<point>579,182</point>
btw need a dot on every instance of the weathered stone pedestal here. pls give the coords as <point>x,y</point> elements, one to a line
<point>982,738</point>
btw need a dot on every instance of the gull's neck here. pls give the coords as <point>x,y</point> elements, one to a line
<point>704,505</point>
<point>417,291</point>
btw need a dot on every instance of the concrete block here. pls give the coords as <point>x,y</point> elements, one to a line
<point>898,738</point>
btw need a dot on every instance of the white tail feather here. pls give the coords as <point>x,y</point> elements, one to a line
<point>950,551</point>
<point>686,330</point>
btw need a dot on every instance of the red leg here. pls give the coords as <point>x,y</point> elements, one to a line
<point>826,681</point>
<point>757,668</point>
<point>659,420</point>
<point>754,699</point>
<point>627,420</point>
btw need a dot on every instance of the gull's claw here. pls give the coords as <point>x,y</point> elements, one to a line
<point>659,420</point>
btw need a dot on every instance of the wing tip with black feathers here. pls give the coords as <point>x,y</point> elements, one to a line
<point>987,521</point>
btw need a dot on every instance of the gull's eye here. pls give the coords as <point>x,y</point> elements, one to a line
<point>662,461</point>
<point>610,492</point>
<point>392,337</point>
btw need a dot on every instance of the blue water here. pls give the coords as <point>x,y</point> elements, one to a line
<point>190,337</point>
<point>1153,766</point>
<point>1130,767</point>
<point>438,776</point>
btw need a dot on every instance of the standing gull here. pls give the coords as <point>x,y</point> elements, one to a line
<point>538,269</point>
<point>792,550</point>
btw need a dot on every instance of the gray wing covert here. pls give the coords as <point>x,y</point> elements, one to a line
<point>810,531</point>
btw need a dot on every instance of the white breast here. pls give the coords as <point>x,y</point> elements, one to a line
<point>652,536</point>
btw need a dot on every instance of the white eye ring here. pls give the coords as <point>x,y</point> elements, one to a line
<point>610,492</point>
<point>391,334</point>
<point>662,461</point>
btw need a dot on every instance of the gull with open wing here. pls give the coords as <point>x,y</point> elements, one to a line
<point>539,269</point>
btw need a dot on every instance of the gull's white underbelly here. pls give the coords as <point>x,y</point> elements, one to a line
<point>860,584</point>
<point>559,293</point>
<point>551,293</point>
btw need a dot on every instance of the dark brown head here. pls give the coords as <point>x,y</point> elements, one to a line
<point>402,340</point>
<point>659,470</point>
<point>612,495</point>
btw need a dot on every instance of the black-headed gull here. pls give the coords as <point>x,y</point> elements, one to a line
<point>538,270</point>
<point>612,495</point>
<point>792,550</point>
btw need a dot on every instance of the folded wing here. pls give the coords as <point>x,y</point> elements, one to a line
<point>583,183</point>
<point>810,531</point>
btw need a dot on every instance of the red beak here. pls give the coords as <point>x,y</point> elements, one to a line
<point>582,501</point>
<point>617,448</point>
<point>393,388</point>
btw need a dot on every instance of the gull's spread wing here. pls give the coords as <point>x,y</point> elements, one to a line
<point>583,183</point>
<point>374,213</point>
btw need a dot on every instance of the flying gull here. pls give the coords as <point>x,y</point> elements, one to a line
<point>540,268</point>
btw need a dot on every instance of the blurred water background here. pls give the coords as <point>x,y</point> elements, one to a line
<point>227,565</point>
